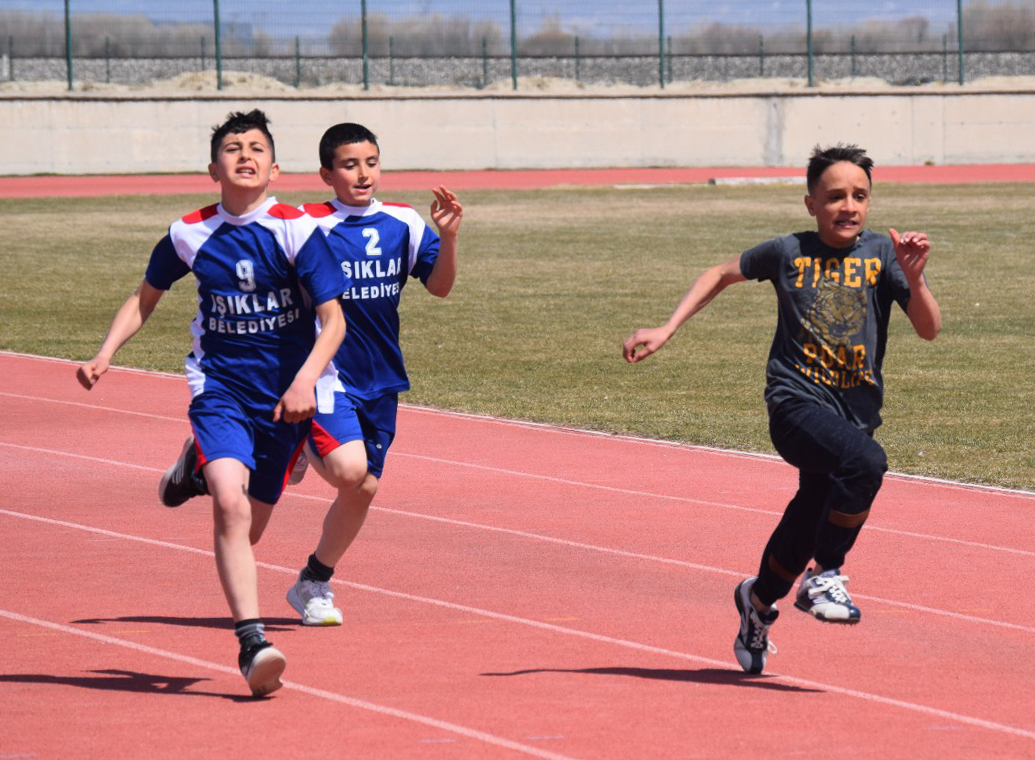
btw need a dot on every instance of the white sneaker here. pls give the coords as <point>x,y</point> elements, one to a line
<point>314,601</point>
<point>299,470</point>
<point>824,597</point>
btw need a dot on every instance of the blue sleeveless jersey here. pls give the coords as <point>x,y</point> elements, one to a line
<point>381,246</point>
<point>258,278</point>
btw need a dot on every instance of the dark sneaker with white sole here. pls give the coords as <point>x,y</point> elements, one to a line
<point>825,598</point>
<point>262,666</point>
<point>752,643</point>
<point>180,482</point>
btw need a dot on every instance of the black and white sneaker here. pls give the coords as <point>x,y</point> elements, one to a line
<point>261,665</point>
<point>824,597</point>
<point>752,643</point>
<point>180,482</point>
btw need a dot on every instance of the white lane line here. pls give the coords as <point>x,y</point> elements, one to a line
<point>870,526</point>
<point>553,628</point>
<point>331,696</point>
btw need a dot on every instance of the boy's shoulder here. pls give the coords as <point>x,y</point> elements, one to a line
<point>285,211</point>
<point>201,215</point>
<point>318,210</point>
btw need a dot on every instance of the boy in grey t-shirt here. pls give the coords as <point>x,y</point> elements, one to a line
<point>824,389</point>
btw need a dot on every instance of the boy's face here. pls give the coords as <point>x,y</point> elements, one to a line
<point>355,173</point>
<point>840,201</point>
<point>244,162</point>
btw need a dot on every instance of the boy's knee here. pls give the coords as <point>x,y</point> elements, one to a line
<point>345,469</point>
<point>873,462</point>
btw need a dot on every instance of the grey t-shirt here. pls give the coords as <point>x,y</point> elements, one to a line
<point>834,307</point>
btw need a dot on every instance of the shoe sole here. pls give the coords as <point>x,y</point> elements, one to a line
<point>164,482</point>
<point>264,675</point>
<point>823,619</point>
<point>296,604</point>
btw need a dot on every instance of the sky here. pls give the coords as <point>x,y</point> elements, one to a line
<point>585,17</point>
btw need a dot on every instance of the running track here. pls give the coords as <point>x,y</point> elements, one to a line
<point>51,186</point>
<point>519,590</point>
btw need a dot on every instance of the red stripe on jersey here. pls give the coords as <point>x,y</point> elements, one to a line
<point>201,215</point>
<point>398,205</point>
<point>284,211</point>
<point>318,210</point>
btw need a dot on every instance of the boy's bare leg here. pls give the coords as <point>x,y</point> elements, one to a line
<point>345,468</point>
<point>232,524</point>
<point>235,532</point>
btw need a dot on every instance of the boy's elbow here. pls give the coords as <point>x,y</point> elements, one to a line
<point>929,332</point>
<point>439,289</point>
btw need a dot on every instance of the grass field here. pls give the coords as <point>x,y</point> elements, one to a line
<point>553,281</point>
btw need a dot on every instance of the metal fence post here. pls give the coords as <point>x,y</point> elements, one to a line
<point>219,47</point>
<point>366,46</point>
<point>107,60</point>
<point>808,36</point>
<point>661,43</point>
<point>68,44</point>
<point>485,62</point>
<point>298,61</point>
<point>577,62</point>
<point>959,34</point>
<point>391,61</point>
<point>513,44</point>
<point>761,56</point>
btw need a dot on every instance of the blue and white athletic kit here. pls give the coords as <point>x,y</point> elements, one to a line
<point>381,245</point>
<point>258,277</point>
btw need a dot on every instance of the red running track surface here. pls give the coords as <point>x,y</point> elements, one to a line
<point>58,186</point>
<point>518,590</point>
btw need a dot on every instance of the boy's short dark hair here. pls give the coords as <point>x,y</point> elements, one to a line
<point>239,122</point>
<point>823,158</point>
<point>343,134</point>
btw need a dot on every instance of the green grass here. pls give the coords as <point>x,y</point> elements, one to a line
<point>553,281</point>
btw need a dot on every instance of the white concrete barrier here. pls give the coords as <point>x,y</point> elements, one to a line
<point>97,134</point>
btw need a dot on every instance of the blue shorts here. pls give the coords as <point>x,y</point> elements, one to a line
<point>226,427</point>
<point>356,419</point>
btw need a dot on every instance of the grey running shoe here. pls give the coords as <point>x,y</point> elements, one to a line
<point>299,470</point>
<point>314,601</point>
<point>824,597</point>
<point>752,643</point>
<point>180,482</point>
<point>261,666</point>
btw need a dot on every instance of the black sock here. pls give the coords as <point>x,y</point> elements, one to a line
<point>315,570</point>
<point>251,632</point>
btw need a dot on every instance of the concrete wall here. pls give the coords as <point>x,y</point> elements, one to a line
<point>82,134</point>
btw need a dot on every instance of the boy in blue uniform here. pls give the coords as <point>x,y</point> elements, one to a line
<point>264,272</point>
<point>824,389</point>
<point>383,245</point>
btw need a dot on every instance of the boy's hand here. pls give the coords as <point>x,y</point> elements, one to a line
<point>297,404</point>
<point>912,249</point>
<point>90,372</point>
<point>647,340</point>
<point>446,212</point>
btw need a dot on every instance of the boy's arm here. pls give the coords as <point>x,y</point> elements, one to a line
<point>128,320</point>
<point>647,340</point>
<point>447,213</point>
<point>299,401</point>
<point>913,249</point>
